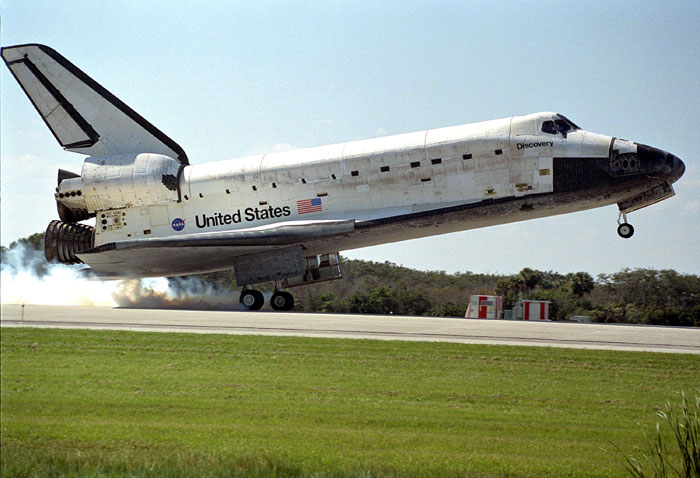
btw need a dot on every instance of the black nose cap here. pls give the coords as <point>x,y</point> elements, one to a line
<point>677,168</point>
<point>655,160</point>
<point>673,167</point>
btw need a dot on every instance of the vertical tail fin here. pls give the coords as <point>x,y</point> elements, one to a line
<point>83,116</point>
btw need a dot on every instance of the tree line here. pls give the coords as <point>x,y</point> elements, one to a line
<point>638,296</point>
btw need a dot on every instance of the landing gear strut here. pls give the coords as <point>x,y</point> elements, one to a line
<point>624,229</point>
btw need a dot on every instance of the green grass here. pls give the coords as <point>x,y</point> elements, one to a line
<point>104,403</point>
<point>684,421</point>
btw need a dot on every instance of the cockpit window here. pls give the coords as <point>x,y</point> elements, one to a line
<point>548,127</point>
<point>569,122</point>
<point>562,126</point>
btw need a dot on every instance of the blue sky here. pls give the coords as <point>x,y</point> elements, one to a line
<point>226,79</point>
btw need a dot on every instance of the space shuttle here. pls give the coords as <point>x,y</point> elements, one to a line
<point>139,208</point>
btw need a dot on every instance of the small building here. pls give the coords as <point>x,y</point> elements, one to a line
<point>531,310</point>
<point>485,307</point>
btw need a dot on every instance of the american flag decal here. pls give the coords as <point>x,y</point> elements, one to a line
<point>305,206</point>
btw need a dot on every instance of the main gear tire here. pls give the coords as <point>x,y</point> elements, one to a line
<point>282,300</point>
<point>252,299</point>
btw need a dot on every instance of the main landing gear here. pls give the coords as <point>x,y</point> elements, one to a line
<point>317,268</point>
<point>624,229</point>
<point>253,300</point>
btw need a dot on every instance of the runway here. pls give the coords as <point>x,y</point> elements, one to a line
<point>471,331</point>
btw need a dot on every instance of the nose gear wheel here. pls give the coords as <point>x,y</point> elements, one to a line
<point>624,229</point>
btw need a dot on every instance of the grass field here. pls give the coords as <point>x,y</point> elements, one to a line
<point>103,403</point>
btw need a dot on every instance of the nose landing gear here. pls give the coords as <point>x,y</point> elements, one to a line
<point>624,229</point>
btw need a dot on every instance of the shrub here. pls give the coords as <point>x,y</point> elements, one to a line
<point>655,461</point>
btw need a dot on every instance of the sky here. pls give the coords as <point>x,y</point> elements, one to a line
<point>227,79</point>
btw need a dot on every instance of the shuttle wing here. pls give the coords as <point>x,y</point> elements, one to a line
<point>83,116</point>
<point>173,255</point>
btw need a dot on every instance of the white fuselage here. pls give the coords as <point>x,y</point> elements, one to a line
<point>361,180</point>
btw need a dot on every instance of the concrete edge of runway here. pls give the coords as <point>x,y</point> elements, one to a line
<point>430,329</point>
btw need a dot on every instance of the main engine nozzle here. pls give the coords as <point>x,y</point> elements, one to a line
<point>63,241</point>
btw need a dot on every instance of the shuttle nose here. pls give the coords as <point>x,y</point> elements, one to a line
<point>673,167</point>
<point>657,160</point>
<point>677,168</point>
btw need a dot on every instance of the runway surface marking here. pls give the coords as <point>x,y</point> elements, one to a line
<point>551,334</point>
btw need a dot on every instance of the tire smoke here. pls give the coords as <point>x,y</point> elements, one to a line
<point>27,278</point>
<point>190,293</point>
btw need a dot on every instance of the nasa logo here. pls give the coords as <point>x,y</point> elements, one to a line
<point>178,224</point>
